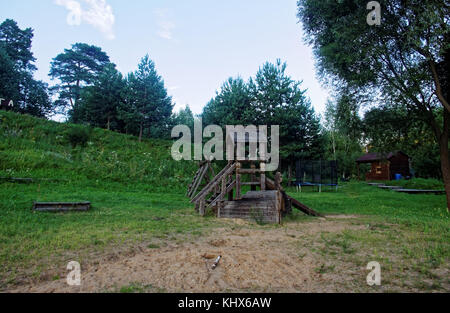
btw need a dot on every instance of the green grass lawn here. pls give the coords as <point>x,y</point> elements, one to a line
<point>121,217</point>
<point>138,199</point>
<point>408,234</point>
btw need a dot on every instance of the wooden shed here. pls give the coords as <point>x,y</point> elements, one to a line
<point>386,166</point>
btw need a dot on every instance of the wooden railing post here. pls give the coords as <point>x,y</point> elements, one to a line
<point>253,176</point>
<point>202,207</point>
<point>238,181</point>
<point>278,179</point>
<point>263,176</point>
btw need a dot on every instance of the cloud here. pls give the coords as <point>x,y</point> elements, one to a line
<point>97,13</point>
<point>165,25</point>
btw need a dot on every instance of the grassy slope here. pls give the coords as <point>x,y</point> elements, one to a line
<point>137,192</point>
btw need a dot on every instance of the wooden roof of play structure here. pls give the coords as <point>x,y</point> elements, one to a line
<point>223,193</point>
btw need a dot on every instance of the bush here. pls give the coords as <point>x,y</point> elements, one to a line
<point>78,135</point>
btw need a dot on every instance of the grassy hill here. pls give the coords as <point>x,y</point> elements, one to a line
<point>37,148</point>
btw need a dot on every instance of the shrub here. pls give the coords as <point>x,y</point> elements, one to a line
<point>78,135</point>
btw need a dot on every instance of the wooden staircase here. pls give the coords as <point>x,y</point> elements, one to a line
<point>202,174</point>
<point>267,205</point>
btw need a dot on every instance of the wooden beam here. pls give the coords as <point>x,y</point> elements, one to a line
<point>238,181</point>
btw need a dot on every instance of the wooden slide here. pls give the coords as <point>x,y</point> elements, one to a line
<point>270,184</point>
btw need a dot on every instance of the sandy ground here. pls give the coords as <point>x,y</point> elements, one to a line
<point>260,260</point>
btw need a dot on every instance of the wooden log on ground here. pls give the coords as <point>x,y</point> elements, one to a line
<point>419,191</point>
<point>61,206</point>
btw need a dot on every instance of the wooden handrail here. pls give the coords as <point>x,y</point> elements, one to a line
<point>215,182</point>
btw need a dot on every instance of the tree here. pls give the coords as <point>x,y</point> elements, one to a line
<point>100,103</point>
<point>76,68</point>
<point>231,106</point>
<point>344,133</point>
<point>9,77</point>
<point>405,60</point>
<point>390,129</point>
<point>279,100</point>
<point>16,71</point>
<point>270,98</point>
<point>148,105</point>
<point>17,45</point>
<point>184,117</point>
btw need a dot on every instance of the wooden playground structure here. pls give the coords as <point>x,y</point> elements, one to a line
<point>223,193</point>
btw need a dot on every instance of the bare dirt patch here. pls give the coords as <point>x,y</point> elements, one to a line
<point>254,258</point>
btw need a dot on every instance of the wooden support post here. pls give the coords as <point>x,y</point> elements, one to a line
<point>238,181</point>
<point>222,195</point>
<point>278,180</point>
<point>202,207</point>
<point>263,176</point>
<point>253,176</point>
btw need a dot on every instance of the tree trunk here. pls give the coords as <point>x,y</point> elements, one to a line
<point>141,129</point>
<point>109,123</point>
<point>445,161</point>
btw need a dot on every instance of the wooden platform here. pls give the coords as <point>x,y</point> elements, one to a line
<point>61,206</point>
<point>390,187</point>
<point>419,191</point>
<point>262,206</point>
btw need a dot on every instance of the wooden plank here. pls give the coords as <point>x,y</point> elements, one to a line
<point>297,204</point>
<point>238,181</point>
<point>202,207</point>
<point>198,181</point>
<point>250,171</point>
<point>61,206</point>
<point>208,188</point>
<point>250,184</point>
<point>419,191</point>
<point>263,176</point>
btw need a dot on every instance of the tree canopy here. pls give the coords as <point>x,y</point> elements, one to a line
<point>404,60</point>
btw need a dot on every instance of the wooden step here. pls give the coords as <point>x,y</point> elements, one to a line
<point>262,206</point>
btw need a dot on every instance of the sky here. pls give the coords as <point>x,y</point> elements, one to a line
<point>196,44</point>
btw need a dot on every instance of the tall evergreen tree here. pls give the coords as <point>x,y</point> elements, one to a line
<point>76,68</point>
<point>230,106</point>
<point>148,105</point>
<point>278,100</point>
<point>100,103</point>
<point>16,71</point>
<point>184,117</point>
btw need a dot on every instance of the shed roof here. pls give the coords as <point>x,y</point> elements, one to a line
<point>375,156</point>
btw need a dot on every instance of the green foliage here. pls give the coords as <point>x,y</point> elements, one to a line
<point>390,129</point>
<point>76,68</point>
<point>270,98</point>
<point>184,117</point>
<point>231,106</point>
<point>402,63</point>
<point>148,106</point>
<point>100,103</point>
<point>78,135</point>
<point>16,72</point>
<point>37,148</point>
<point>343,134</point>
